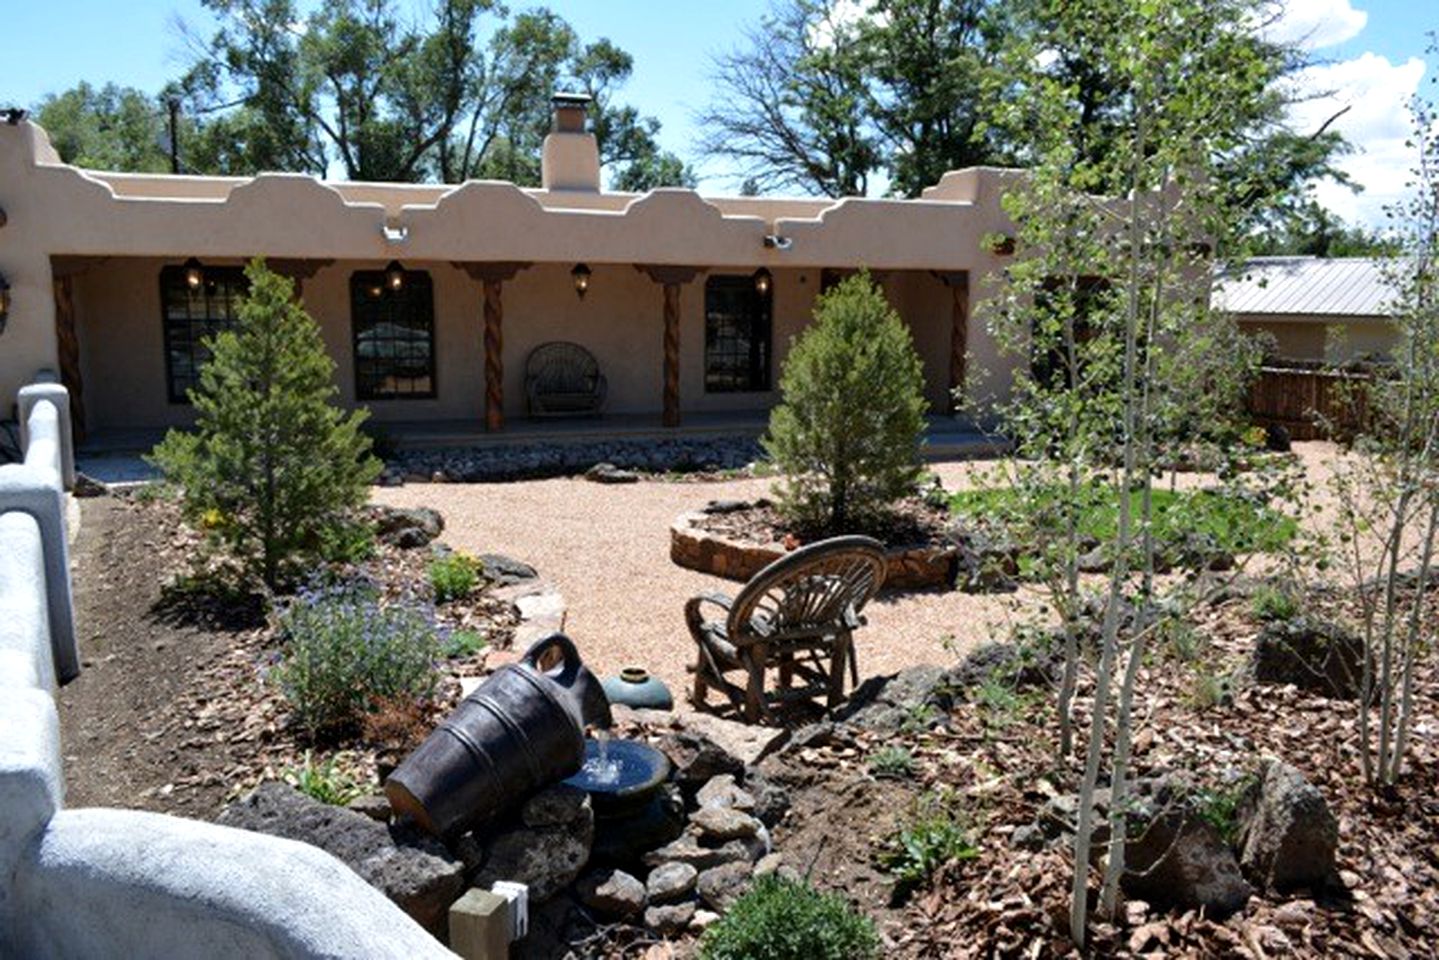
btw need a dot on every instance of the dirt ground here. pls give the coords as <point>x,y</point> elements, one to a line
<point>139,720</point>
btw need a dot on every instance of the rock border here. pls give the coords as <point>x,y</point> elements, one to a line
<point>695,548</point>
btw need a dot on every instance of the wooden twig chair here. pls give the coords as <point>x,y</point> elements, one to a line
<point>563,379</point>
<point>797,615</point>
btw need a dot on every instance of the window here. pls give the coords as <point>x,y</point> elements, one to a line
<point>394,336</point>
<point>193,314</point>
<point>737,335</point>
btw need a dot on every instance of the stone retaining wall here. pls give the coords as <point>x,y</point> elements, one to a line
<point>121,883</point>
<point>695,548</point>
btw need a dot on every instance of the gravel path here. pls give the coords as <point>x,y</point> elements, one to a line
<point>607,548</point>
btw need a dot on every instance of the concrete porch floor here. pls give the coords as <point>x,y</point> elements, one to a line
<point>115,455</point>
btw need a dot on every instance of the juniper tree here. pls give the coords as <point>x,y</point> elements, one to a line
<point>848,430</point>
<point>272,465</point>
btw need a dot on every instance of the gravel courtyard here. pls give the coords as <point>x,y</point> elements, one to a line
<point>607,548</point>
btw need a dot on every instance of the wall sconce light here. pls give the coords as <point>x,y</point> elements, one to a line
<point>581,274</point>
<point>763,282</point>
<point>394,275</point>
<point>4,302</point>
<point>194,273</point>
<point>774,241</point>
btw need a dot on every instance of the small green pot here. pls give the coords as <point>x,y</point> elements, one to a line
<point>634,687</point>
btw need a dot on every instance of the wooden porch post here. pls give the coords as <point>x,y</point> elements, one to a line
<point>63,271</point>
<point>958,283</point>
<point>672,278</point>
<point>493,275</point>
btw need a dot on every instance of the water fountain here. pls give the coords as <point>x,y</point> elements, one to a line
<point>633,811</point>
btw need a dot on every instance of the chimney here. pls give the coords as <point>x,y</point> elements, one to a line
<point>570,159</point>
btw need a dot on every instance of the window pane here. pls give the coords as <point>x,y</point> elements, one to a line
<point>737,336</point>
<point>190,317</point>
<point>394,333</point>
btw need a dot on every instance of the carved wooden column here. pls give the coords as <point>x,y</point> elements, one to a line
<point>492,275</point>
<point>672,278</point>
<point>63,271</point>
<point>958,283</point>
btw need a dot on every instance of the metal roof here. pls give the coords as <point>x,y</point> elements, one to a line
<point>1312,286</point>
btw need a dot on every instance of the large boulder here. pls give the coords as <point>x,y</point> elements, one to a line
<point>885,704</point>
<point>697,759</point>
<point>1174,857</point>
<point>412,869</point>
<point>1287,834</point>
<point>546,857</point>
<point>986,559</point>
<point>1320,657</point>
<point>406,528</point>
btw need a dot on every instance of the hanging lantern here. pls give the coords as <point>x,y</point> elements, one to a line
<point>194,273</point>
<point>763,282</point>
<point>394,275</point>
<point>581,274</point>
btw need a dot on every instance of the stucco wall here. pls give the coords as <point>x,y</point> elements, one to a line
<point>1321,338</point>
<point>620,321</point>
<point>139,221</point>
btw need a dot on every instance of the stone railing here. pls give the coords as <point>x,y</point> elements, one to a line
<point>122,883</point>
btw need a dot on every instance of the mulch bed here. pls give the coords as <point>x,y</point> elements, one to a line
<point>1010,902</point>
<point>913,523</point>
<point>172,711</point>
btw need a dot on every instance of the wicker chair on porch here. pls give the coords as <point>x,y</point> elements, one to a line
<point>563,379</point>
<point>797,615</point>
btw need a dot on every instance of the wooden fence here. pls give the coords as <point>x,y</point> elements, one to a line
<point>1310,402</point>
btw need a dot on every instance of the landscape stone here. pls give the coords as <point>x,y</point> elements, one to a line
<point>376,806</point>
<point>670,881</point>
<point>1287,834</point>
<point>1179,860</point>
<point>697,759</point>
<point>719,887</point>
<point>88,487</point>
<point>1320,657</point>
<point>670,918</point>
<point>703,920</point>
<point>722,791</point>
<point>412,869</point>
<point>719,824</point>
<point>771,799</point>
<point>406,528</point>
<point>686,850</point>
<point>547,859</point>
<point>612,893</point>
<point>505,571</point>
<point>554,806</point>
<point>609,473</point>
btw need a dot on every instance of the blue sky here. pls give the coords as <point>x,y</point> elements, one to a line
<point>1372,53</point>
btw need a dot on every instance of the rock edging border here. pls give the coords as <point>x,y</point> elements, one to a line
<point>695,548</point>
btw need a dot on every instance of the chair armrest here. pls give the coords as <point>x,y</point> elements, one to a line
<point>694,609</point>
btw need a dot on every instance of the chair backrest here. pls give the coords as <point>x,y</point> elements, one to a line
<point>561,367</point>
<point>809,592</point>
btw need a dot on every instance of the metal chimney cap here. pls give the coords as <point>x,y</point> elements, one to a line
<point>564,99</point>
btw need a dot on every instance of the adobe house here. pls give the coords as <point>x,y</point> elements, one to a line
<point>430,297</point>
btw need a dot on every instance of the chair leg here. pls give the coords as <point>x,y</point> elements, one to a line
<point>701,696</point>
<point>836,675</point>
<point>853,660</point>
<point>786,671</point>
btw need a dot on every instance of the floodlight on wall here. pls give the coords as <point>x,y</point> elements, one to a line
<point>394,275</point>
<point>581,275</point>
<point>763,282</point>
<point>4,302</point>
<point>194,273</point>
<point>774,241</point>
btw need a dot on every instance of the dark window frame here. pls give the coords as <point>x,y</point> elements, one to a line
<point>417,284</point>
<point>173,286</point>
<point>755,348</point>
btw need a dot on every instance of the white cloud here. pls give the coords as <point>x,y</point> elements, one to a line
<point>1314,24</point>
<point>1376,124</point>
